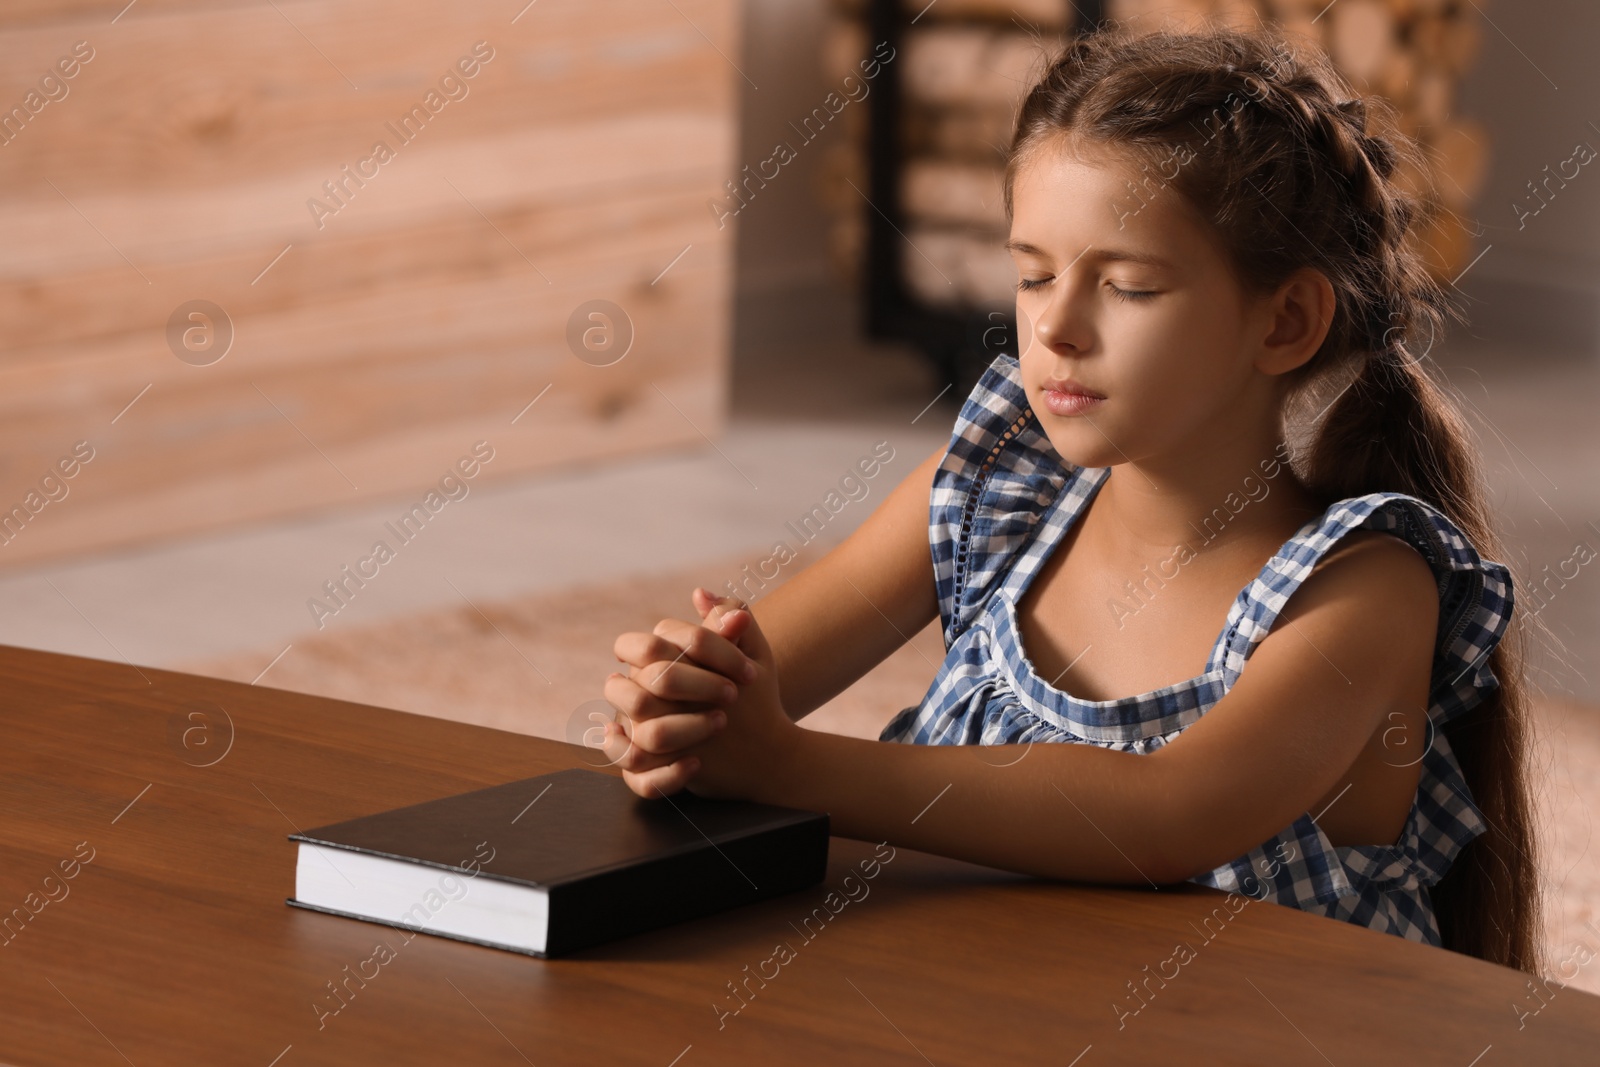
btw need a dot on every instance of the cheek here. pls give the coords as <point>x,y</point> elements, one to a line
<point>1177,357</point>
<point>1163,375</point>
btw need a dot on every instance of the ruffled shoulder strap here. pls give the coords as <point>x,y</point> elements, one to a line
<point>991,493</point>
<point>1475,595</point>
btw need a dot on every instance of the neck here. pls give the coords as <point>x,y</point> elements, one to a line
<point>1223,499</point>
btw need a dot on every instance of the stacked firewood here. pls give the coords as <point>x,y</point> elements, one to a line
<point>964,66</point>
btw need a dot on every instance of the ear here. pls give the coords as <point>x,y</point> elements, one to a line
<point>1296,319</point>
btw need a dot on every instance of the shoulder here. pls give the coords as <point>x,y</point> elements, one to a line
<point>1398,568</point>
<point>1376,577</point>
<point>1369,609</point>
<point>1473,592</point>
<point>1410,541</point>
<point>1377,560</point>
<point>1344,644</point>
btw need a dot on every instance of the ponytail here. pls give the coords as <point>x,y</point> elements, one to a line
<point>1490,904</point>
<point>1392,429</point>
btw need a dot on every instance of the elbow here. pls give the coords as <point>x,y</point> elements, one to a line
<point>1182,839</point>
<point>1192,842</point>
<point>1187,849</point>
<point>1172,862</point>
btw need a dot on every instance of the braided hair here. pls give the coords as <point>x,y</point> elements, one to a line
<point>1264,137</point>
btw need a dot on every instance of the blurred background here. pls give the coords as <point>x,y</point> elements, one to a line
<point>410,356</point>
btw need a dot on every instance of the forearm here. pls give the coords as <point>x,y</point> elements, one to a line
<point>821,649</point>
<point>1069,811</point>
<point>782,617</point>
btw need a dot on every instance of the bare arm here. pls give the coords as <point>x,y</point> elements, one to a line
<point>843,615</point>
<point>1345,651</point>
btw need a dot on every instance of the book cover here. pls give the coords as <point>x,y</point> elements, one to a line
<point>558,862</point>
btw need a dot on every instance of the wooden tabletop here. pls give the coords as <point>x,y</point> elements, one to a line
<point>168,798</point>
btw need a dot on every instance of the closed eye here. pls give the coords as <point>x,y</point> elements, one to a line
<point>1132,294</point>
<point>1027,284</point>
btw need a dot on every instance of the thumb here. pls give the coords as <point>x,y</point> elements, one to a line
<point>732,618</point>
<point>705,601</point>
<point>738,624</point>
<point>713,608</point>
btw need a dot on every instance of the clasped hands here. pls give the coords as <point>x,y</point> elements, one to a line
<point>699,706</point>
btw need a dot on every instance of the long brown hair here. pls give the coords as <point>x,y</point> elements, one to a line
<point>1265,137</point>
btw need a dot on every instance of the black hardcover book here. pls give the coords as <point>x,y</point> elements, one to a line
<point>555,863</point>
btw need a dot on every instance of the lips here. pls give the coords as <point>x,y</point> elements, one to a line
<point>1067,397</point>
<point>1071,387</point>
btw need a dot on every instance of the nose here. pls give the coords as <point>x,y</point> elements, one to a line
<point>1062,318</point>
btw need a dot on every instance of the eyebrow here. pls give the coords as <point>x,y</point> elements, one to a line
<point>1120,254</point>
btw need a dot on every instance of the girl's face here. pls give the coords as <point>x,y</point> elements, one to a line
<point>1128,296</point>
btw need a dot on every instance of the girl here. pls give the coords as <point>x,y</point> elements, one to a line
<point>1213,249</point>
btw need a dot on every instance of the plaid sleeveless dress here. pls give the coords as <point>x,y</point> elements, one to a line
<point>1002,499</point>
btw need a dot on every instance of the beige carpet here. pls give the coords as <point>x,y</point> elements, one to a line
<point>535,666</point>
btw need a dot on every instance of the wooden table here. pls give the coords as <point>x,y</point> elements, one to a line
<point>169,797</point>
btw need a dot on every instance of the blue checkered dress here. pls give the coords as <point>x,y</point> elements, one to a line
<point>1002,499</point>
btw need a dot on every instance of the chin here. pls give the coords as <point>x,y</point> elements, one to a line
<point>1081,452</point>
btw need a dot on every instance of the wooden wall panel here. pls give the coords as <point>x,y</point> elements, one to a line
<point>422,316</point>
